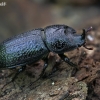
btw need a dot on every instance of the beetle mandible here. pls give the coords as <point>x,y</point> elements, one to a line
<point>31,46</point>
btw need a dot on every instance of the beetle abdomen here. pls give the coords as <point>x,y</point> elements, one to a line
<point>22,49</point>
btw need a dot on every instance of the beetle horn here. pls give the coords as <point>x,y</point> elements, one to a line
<point>83,36</point>
<point>85,31</point>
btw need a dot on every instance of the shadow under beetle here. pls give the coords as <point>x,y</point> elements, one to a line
<point>31,46</point>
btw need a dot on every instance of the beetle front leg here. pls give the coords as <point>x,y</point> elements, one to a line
<point>67,60</point>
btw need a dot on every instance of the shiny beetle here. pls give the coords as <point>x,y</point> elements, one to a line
<point>31,46</point>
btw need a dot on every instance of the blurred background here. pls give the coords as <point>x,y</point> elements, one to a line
<point>18,16</point>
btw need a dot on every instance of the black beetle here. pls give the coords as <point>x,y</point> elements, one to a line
<point>31,46</point>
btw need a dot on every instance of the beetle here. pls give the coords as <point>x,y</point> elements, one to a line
<point>31,46</point>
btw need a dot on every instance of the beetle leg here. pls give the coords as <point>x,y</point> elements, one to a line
<point>42,73</point>
<point>44,68</point>
<point>66,59</point>
<point>18,72</point>
<point>15,76</point>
